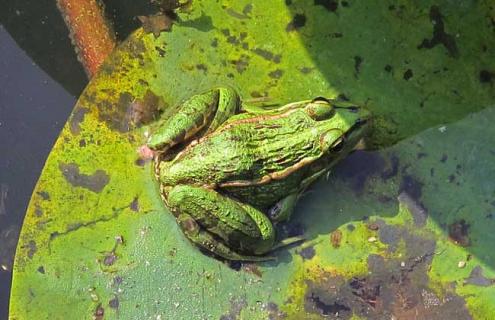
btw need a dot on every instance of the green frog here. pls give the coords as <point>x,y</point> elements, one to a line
<point>229,172</point>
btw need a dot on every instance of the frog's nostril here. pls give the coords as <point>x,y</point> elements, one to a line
<point>360,121</point>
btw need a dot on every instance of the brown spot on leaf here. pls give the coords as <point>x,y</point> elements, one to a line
<point>477,278</point>
<point>459,233</point>
<point>94,182</point>
<point>109,259</point>
<point>99,312</point>
<point>439,34</point>
<point>486,76</point>
<point>297,22</point>
<point>236,306</point>
<point>373,226</point>
<point>134,206</point>
<point>408,74</point>
<point>31,248</point>
<point>277,74</point>
<point>357,65</point>
<point>305,70</point>
<point>114,303</point>
<point>335,238</point>
<point>143,111</point>
<point>268,55</point>
<point>307,253</point>
<point>330,5</point>
<point>44,195</point>
<point>76,119</point>
<point>252,268</point>
<point>241,64</point>
<point>156,23</point>
<point>392,286</point>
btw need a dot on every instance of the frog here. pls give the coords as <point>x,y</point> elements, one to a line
<point>230,172</point>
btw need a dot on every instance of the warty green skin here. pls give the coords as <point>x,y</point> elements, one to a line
<point>228,177</point>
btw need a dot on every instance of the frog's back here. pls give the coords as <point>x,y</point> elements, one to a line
<point>247,150</point>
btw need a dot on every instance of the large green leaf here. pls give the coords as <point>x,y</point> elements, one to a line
<point>403,231</point>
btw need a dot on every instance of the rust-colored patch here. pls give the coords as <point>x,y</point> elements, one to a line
<point>99,312</point>
<point>335,238</point>
<point>373,226</point>
<point>459,233</point>
<point>130,112</point>
<point>157,23</point>
<point>252,268</point>
<point>145,110</point>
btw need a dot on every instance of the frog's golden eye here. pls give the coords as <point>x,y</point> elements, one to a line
<point>320,109</point>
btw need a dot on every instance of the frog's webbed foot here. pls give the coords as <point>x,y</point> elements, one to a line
<point>220,224</point>
<point>201,113</point>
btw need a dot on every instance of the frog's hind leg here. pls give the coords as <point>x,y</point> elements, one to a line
<point>201,113</point>
<point>207,241</point>
<point>220,224</point>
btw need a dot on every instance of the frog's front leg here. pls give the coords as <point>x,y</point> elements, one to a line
<point>206,111</point>
<point>221,225</point>
<point>283,209</point>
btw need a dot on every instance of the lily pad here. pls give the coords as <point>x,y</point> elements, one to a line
<point>402,231</point>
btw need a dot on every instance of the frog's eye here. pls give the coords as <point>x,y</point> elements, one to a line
<point>338,145</point>
<point>323,99</point>
<point>320,109</point>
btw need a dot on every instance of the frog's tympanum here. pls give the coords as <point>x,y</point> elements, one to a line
<point>229,174</point>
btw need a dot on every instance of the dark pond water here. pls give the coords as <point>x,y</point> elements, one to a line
<point>33,109</point>
<point>40,80</point>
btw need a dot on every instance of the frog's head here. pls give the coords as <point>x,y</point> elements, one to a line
<point>340,125</point>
